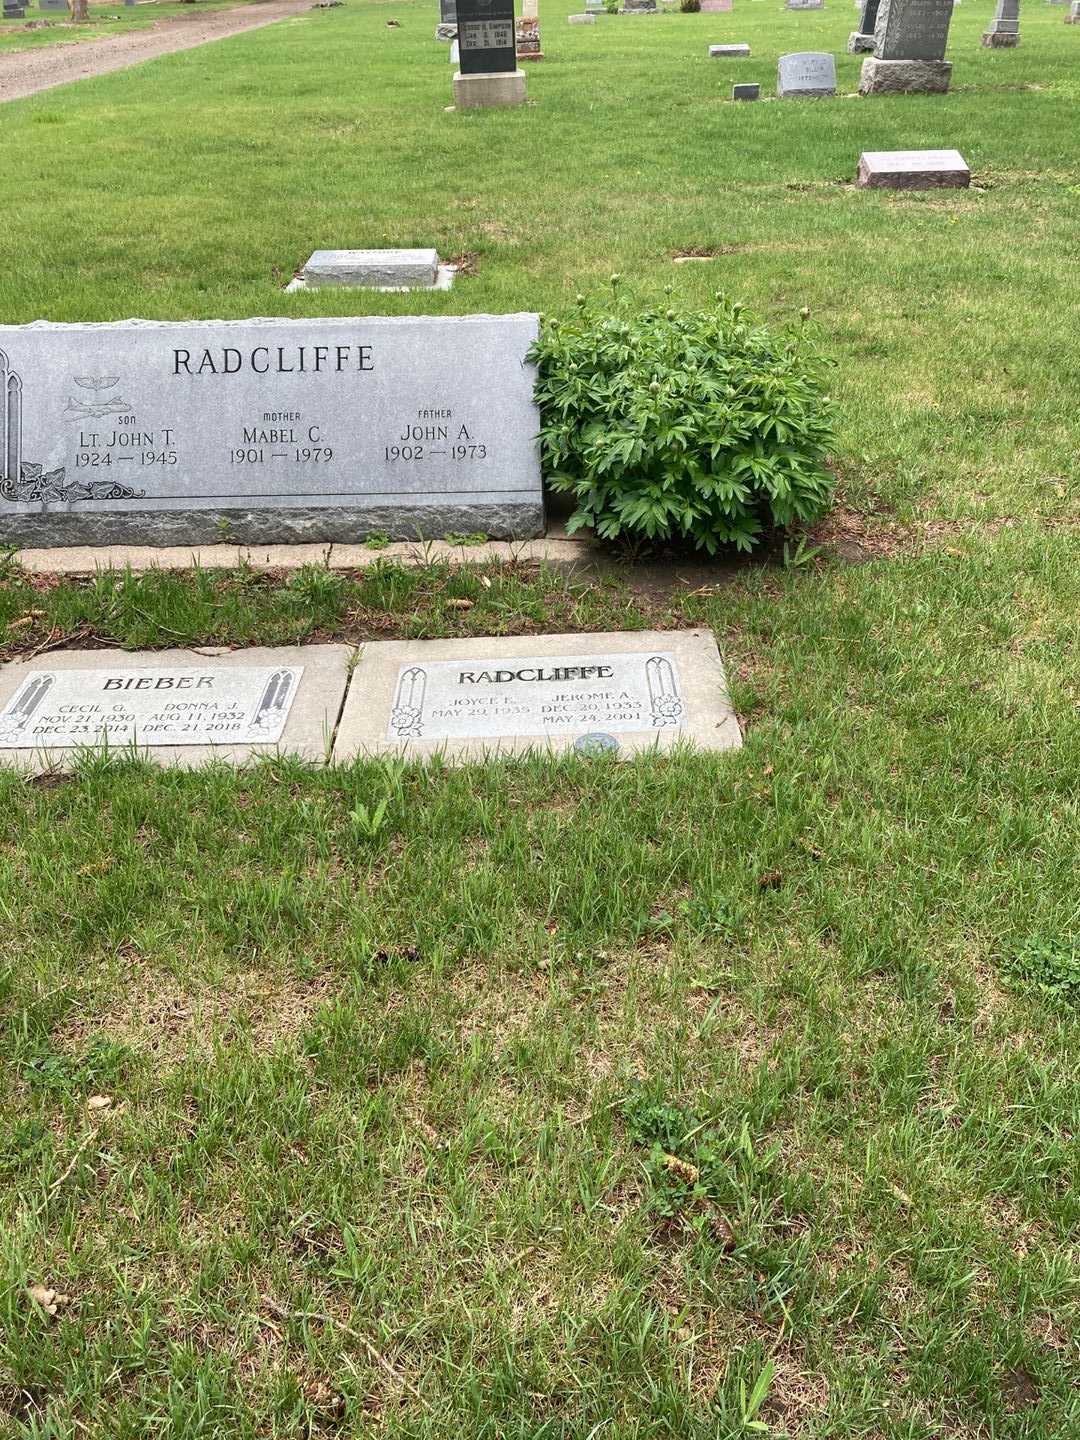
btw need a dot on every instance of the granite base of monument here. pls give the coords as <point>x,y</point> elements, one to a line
<point>175,707</point>
<point>470,699</point>
<point>859,44</point>
<point>478,92</point>
<point>913,170</point>
<point>1000,40</point>
<point>904,77</point>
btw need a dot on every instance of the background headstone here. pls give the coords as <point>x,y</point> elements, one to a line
<point>805,75</point>
<point>729,52</point>
<point>1003,32</point>
<point>861,41</point>
<point>716,7</point>
<point>910,38</point>
<point>14,9</point>
<point>147,432</point>
<point>746,92</point>
<point>1073,17</point>
<point>527,34</point>
<point>804,4</point>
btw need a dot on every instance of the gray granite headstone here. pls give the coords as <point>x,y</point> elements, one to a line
<point>470,698</point>
<point>1073,17</point>
<point>909,49</point>
<point>746,92</point>
<point>14,9</point>
<point>1003,32</point>
<point>447,12</point>
<point>805,75</point>
<point>176,706</point>
<point>268,431</point>
<point>53,5</point>
<point>804,4</point>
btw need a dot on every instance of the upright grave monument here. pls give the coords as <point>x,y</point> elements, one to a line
<point>861,41</point>
<point>447,26</point>
<point>266,431</point>
<point>489,73</point>
<point>14,9</point>
<point>527,32</point>
<point>806,75</point>
<point>1073,17</point>
<point>909,49</point>
<point>1003,32</point>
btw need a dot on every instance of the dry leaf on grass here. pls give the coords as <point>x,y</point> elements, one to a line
<point>50,1300</point>
<point>98,1104</point>
<point>682,1169</point>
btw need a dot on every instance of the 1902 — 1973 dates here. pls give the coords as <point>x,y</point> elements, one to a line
<point>422,452</point>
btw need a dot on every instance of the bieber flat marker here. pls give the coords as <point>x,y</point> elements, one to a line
<point>473,698</point>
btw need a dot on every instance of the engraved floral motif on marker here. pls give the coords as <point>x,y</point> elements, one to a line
<point>23,481</point>
<point>666,707</point>
<point>407,714</point>
<point>273,702</point>
<point>21,710</point>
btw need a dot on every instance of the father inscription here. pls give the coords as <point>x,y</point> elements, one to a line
<point>264,431</point>
<point>469,698</point>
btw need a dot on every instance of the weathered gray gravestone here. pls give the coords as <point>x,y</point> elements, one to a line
<point>804,4</point>
<point>806,75</point>
<point>1073,17</point>
<point>909,51</point>
<point>489,73</point>
<point>14,9</point>
<point>53,5</point>
<point>861,41</point>
<point>267,431</point>
<point>1003,32</point>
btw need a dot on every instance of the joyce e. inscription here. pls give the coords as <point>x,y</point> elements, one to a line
<point>268,429</point>
<point>64,709</point>
<point>552,695</point>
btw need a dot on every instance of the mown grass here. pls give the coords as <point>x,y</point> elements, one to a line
<point>578,1095</point>
<point>104,19</point>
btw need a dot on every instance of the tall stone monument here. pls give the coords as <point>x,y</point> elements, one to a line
<point>1003,32</point>
<point>909,49</point>
<point>861,41</point>
<point>489,73</point>
<point>527,32</point>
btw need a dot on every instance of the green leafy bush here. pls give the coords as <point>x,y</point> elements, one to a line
<point>689,7</point>
<point>697,426</point>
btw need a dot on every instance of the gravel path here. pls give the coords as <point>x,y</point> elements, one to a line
<point>25,72</point>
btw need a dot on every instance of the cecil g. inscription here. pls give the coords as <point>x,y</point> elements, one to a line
<point>64,709</point>
<point>268,430</point>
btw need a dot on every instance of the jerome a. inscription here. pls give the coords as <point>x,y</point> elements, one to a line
<point>268,430</point>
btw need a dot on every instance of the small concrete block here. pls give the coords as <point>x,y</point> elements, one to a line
<point>474,698</point>
<point>729,52</point>
<point>904,77</point>
<point>475,92</point>
<point>373,269</point>
<point>176,707</point>
<point>913,170</point>
<point>581,19</point>
<point>746,92</point>
<point>859,44</point>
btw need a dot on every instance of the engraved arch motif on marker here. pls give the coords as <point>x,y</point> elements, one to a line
<point>666,707</point>
<point>272,701</point>
<point>10,422</point>
<point>19,713</point>
<point>407,714</point>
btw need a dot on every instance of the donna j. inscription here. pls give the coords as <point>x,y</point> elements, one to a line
<point>64,709</point>
<point>536,696</point>
<point>265,430</point>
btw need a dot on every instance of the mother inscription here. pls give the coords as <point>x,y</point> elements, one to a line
<point>268,430</point>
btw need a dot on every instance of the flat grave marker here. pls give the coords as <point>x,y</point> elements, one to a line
<point>268,431</point>
<point>178,707</point>
<point>913,170</point>
<point>729,52</point>
<point>717,7</point>
<point>746,92</point>
<point>471,698</point>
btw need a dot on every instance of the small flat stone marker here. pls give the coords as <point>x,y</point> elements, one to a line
<point>746,92</point>
<point>373,269</point>
<point>913,170</point>
<point>805,75</point>
<point>729,52</point>
<point>581,19</point>
<point>467,699</point>
<point>175,706</point>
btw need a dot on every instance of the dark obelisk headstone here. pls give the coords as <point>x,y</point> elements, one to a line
<point>861,41</point>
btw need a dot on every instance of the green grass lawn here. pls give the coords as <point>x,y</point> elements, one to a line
<point>105,19</point>
<point>580,1097</point>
